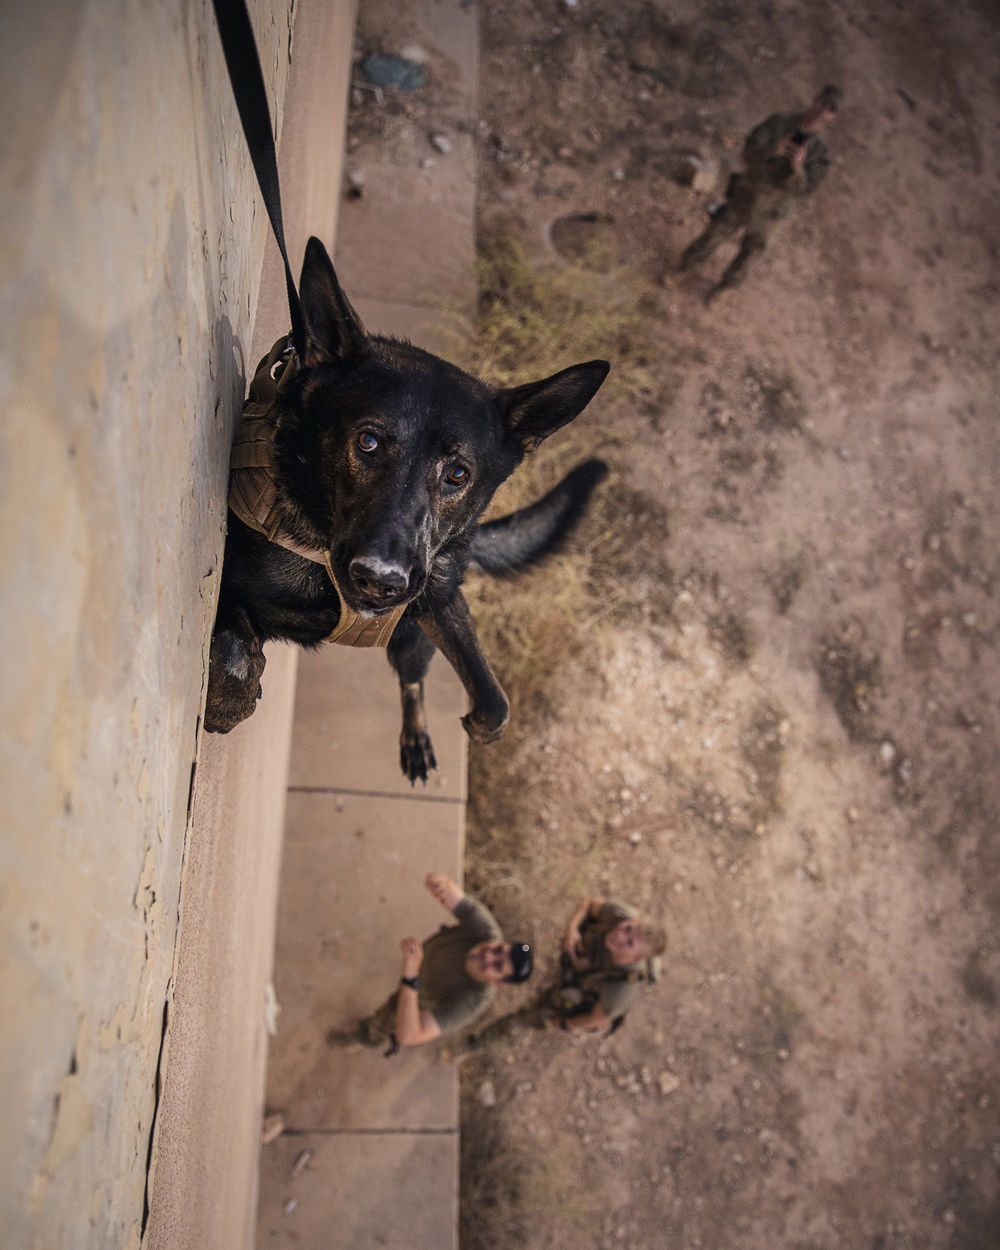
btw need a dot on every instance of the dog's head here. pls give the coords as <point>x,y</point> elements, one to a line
<point>388,454</point>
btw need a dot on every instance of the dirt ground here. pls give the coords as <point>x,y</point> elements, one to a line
<point>759,696</point>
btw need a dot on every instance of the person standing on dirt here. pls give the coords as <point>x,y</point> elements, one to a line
<point>447,981</point>
<point>786,159</point>
<point>609,952</point>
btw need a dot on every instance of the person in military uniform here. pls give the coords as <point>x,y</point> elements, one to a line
<point>609,953</point>
<point>448,981</point>
<point>786,159</point>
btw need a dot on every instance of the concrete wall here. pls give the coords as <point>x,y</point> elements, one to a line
<point>130,259</point>
<point>204,1168</point>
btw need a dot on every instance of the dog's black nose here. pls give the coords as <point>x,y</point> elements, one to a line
<point>378,578</point>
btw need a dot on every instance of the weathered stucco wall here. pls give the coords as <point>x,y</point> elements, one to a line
<point>204,1166</point>
<point>130,257</point>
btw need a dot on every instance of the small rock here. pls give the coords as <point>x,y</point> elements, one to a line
<point>635,838</point>
<point>486,1094</point>
<point>413,52</point>
<point>273,1127</point>
<point>668,1082</point>
<point>618,174</point>
<point>290,1205</point>
<point>272,1009</point>
<point>699,173</point>
<point>970,619</point>
<point>299,1166</point>
<point>356,177</point>
<point>393,71</point>
<point>887,752</point>
<point>441,142</point>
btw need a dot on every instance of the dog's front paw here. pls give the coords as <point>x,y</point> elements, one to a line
<point>236,664</point>
<point>487,724</point>
<point>416,756</point>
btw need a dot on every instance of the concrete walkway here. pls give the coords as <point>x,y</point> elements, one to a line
<point>369,1151</point>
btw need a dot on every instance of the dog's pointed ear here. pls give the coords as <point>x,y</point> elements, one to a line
<point>334,331</point>
<point>536,410</point>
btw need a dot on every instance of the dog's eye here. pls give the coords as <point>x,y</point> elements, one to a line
<point>367,441</point>
<point>457,475</point>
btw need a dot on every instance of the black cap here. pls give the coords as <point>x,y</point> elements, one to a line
<point>520,957</point>
<point>832,97</point>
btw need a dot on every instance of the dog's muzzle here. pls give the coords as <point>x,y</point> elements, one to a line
<point>383,584</point>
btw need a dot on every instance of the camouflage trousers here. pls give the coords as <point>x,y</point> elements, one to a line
<point>374,1030</point>
<point>742,211</point>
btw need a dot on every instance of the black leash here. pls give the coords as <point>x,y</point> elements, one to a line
<point>243,63</point>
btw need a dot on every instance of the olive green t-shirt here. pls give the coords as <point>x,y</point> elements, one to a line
<point>447,991</point>
<point>615,996</point>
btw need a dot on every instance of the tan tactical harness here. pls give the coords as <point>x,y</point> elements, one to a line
<point>253,492</point>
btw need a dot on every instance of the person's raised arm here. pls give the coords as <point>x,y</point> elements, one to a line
<point>444,890</point>
<point>413,1026</point>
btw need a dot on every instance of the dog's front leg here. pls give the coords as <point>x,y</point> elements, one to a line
<point>410,653</point>
<point>452,630</point>
<point>236,663</point>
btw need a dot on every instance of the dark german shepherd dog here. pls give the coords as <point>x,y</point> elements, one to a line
<point>381,459</point>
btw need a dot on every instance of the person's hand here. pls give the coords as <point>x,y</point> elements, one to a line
<point>573,944</point>
<point>444,890</point>
<point>795,152</point>
<point>413,956</point>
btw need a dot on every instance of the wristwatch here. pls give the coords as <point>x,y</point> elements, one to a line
<point>412,982</point>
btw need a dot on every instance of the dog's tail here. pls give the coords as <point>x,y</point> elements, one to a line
<point>512,542</point>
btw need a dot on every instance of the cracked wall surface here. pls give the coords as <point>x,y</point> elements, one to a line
<point>130,252</point>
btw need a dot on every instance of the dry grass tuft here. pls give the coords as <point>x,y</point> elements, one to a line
<point>494,1174</point>
<point>532,320</point>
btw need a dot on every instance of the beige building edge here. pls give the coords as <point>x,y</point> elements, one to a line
<point>130,253</point>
